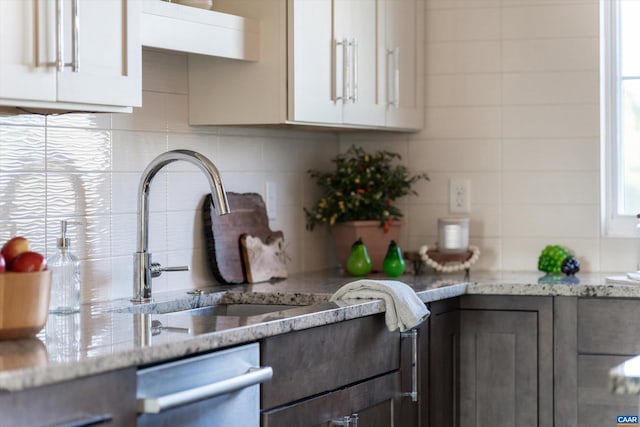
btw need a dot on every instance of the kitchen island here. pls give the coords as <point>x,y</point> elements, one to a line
<point>120,335</point>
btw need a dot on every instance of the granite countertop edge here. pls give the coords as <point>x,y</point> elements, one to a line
<point>428,288</point>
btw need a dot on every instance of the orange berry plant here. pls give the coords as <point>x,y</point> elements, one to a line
<point>363,186</point>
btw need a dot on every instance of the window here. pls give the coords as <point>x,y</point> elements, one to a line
<point>620,59</point>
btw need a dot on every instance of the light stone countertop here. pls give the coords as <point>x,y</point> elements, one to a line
<point>109,336</point>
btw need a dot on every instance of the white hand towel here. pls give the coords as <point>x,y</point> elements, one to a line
<point>404,309</point>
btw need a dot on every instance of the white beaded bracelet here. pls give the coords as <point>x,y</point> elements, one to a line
<point>449,268</point>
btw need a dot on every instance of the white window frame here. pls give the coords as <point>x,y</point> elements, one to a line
<point>614,224</point>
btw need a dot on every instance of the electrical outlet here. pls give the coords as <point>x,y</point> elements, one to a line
<point>271,196</point>
<point>459,196</point>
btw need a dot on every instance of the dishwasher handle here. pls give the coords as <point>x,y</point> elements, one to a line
<point>155,405</point>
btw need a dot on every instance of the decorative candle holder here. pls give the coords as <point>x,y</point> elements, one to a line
<point>453,235</point>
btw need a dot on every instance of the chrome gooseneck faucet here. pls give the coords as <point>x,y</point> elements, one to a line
<point>143,268</point>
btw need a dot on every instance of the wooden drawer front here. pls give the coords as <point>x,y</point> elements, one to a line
<point>110,397</point>
<point>609,326</point>
<point>325,358</point>
<point>375,401</point>
<point>597,405</point>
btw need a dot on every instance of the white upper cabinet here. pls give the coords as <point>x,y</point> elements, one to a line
<point>334,77</point>
<point>70,54</point>
<point>403,55</point>
<point>340,63</point>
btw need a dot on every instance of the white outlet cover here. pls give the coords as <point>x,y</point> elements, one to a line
<point>459,196</point>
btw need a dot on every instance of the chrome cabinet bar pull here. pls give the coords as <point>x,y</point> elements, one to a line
<point>413,334</point>
<point>345,54</point>
<point>354,71</point>
<point>75,29</point>
<point>59,36</point>
<point>396,77</point>
<point>345,71</point>
<point>155,405</point>
<point>344,421</point>
<point>393,77</point>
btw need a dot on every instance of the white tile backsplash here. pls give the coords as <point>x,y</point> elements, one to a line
<point>551,154</point>
<point>463,122</point>
<point>551,121</point>
<point>463,24</point>
<point>575,87</point>
<point>559,54</point>
<point>561,20</point>
<point>463,89</point>
<point>571,188</point>
<point>462,57</point>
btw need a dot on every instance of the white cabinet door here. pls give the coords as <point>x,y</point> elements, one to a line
<point>109,52</point>
<point>334,62</point>
<point>360,28</point>
<point>401,62</point>
<point>25,51</point>
<point>317,85</point>
<point>99,46</point>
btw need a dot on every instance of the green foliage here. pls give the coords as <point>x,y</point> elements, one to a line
<point>364,186</point>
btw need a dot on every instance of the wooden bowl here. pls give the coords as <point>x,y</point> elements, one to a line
<point>24,303</point>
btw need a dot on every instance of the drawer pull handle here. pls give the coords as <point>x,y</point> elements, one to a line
<point>346,421</point>
<point>155,405</point>
<point>413,334</point>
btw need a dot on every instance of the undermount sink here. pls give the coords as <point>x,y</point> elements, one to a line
<point>234,310</point>
<point>208,307</point>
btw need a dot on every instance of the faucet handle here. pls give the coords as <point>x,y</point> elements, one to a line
<point>157,269</point>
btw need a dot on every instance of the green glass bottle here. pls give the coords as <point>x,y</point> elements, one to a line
<point>359,263</point>
<point>393,263</point>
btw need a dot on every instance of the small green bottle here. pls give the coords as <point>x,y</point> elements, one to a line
<point>393,263</point>
<point>359,263</point>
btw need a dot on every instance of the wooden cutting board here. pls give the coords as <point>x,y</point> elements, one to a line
<point>263,261</point>
<point>222,233</point>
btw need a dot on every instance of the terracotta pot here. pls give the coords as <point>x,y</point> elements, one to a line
<point>372,235</point>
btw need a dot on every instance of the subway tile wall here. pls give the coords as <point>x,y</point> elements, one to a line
<point>86,168</point>
<point>512,104</point>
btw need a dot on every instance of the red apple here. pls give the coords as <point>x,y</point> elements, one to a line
<point>28,262</point>
<point>3,264</point>
<point>14,247</point>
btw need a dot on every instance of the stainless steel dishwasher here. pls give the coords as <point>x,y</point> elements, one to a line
<point>216,389</point>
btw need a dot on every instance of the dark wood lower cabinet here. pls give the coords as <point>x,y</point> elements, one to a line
<point>373,402</point>
<point>483,360</point>
<point>102,400</point>
<point>327,373</point>
<point>607,335</point>
<point>506,361</point>
<point>442,358</point>
<point>490,362</point>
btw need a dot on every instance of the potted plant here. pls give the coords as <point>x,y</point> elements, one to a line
<point>358,200</point>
